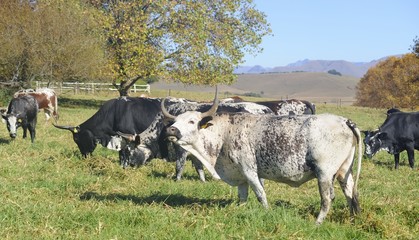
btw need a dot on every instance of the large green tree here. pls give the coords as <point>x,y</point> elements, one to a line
<point>393,82</point>
<point>189,41</point>
<point>50,40</point>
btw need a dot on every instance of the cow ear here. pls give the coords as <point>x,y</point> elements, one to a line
<point>204,123</point>
<point>137,139</point>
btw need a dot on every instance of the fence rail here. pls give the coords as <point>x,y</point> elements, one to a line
<point>89,87</point>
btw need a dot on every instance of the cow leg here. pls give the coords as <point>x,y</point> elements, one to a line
<point>411,155</point>
<point>47,114</point>
<point>396,160</point>
<point>180,165</point>
<point>32,132</point>
<point>255,182</point>
<point>243,190</point>
<point>199,169</point>
<point>324,188</point>
<point>25,129</point>
<point>123,158</point>
<point>346,182</point>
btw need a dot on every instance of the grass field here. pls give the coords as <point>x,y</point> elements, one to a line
<point>48,191</point>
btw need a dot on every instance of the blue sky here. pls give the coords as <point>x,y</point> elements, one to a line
<point>355,30</point>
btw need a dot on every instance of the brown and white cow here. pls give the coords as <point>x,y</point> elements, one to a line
<point>242,149</point>
<point>46,99</point>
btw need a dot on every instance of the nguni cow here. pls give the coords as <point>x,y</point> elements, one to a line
<point>46,99</point>
<point>281,107</point>
<point>290,107</point>
<point>145,146</point>
<point>399,132</point>
<point>242,149</point>
<point>21,112</point>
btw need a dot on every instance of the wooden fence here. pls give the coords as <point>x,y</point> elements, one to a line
<point>78,87</point>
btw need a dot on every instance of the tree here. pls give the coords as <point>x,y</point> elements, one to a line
<point>334,72</point>
<point>194,42</point>
<point>52,40</point>
<point>415,47</point>
<point>392,82</point>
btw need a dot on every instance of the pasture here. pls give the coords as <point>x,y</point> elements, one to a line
<point>48,191</point>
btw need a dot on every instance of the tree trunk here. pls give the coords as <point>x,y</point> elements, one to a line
<point>125,85</point>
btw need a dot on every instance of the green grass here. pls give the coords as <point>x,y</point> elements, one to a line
<point>47,191</point>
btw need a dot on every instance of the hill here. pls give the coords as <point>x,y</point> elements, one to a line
<point>317,87</point>
<point>355,69</point>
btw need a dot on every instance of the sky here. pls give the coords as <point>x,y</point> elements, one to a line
<point>355,30</point>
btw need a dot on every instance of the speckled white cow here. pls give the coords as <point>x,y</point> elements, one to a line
<point>243,148</point>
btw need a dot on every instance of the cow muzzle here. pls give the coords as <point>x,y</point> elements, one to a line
<point>13,135</point>
<point>173,134</point>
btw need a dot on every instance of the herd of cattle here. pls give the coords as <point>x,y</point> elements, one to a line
<point>240,142</point>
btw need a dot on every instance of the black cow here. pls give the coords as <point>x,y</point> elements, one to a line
<point>125,114</point>
<point>22,112</point>
<point>399,132</point>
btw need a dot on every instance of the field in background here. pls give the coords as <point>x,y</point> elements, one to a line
<point>315,87</point>
<point>47,191</point>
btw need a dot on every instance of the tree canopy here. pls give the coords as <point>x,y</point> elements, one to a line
<point>391,83</point>
<point>194,42</point>
<point>50,40</point>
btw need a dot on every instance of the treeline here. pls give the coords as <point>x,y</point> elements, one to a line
<point>391,83</point>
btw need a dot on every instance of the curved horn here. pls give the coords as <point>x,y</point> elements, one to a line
<point>70,128</point>
<point>165,112</point>
<point>214,106</point>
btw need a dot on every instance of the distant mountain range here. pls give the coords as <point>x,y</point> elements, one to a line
<point>355,69</point>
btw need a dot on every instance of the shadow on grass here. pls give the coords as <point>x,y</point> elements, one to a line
<point>176,200</point>
<point>185,176</point>
<point>5,141</point>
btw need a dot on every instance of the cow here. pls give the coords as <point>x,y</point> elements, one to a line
<point>21,112</point>
<point>281,107</point>
<point>124,114</point>
<point>146,145</point>
<point>241,149</point>
<point>399,132</point>
<point>46,99</point>
<point>290,107</point>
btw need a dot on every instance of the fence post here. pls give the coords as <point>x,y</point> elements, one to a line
<point>135,88</point>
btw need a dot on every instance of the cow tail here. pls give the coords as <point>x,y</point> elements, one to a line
<point>357,134</point>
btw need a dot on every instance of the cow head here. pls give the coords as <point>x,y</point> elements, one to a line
<point>186,126</point>
<point>375,141</point>
<point>84,139</point>
<point>13,122</point>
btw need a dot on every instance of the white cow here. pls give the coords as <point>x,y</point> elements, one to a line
<point>242,148</point>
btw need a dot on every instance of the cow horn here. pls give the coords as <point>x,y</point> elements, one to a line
<point>164,110</point>
<point>129,137</point>
<point>214,106</point>
<point>70,128</point>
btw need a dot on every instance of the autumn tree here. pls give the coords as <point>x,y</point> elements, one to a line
<point>392,82</point>
<point>194,42</point>
<point>49,40</point>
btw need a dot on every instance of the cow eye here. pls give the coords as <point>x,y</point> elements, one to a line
<point>191,122</point>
